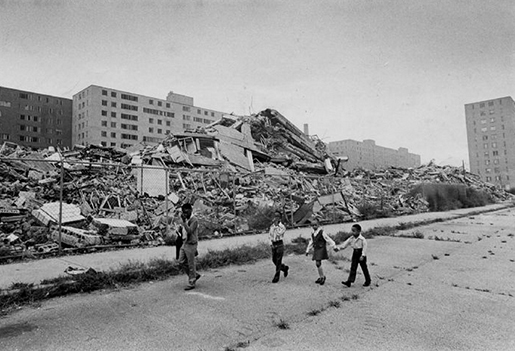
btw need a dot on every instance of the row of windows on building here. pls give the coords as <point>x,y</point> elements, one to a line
<point>497,178</point>
<point>37,119</point>
<point>485,129</point>
<point>49,110</point>
<point>493,145</point>
<point>151,102</point>
<point>34,139</point>
<point>484,121</point>
<point>490,103</point>
<point>36,129</point>
<point>496,170</point>
<point>27,96</point>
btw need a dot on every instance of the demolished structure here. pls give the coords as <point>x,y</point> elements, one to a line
<point>234,171</point>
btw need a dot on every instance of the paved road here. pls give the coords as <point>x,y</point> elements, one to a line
<point>454,293</point>
<point>35,271</point>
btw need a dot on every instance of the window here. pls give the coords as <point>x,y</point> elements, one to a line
<point>103,134</point>
<point>487,162</point>
<point>113,124</point>
<point>496,161</point>
<point>151,102</point>
<point>488,170</point>
<point>199,112</point>
<point>167,105</point>
<point>151,120</point>
<point>483,121</point>
<point>170,114</point>
<point>205,113</point>
<point>186,126</point>
<point>104,113</point>
<point>482,104</point>
<point>186,108</point>
<point>484,129</point>
<point>490,103</point>
<point>159,103</point>
<point>129,117</point>
<point>151,130</point>
<point>113,135</point>
<point>113,114</point>
<point>498,178</point>
<point>104,124</point>
<point>129,107</point>
<point>113,104</point>
<point>491,112</point>
<point>23,128</point>
<point>104,92</point>
<point>159,131</point>
<point>492,128</point>
<point>494,145</point>
<point>159,122</point>
<point>492,120</point>
<point>488,179</point>
<point>495,153</point>
<point>485,137</point>
<point>104,102</point>
<point>113,144</point>
<point>186,117</point>
<point>103,143</point>
<point>129,97</point>
<point>485,146</point>
<point>168,123</point>
<point>212,114</point>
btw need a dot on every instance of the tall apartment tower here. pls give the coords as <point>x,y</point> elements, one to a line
<point>110,117</point>
<point>35,120</point>
<point>491,140</point>
<point>368,155</point>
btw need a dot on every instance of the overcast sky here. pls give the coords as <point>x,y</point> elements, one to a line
<point>396,71</point>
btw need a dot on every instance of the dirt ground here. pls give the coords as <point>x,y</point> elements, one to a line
<point>452,290</point>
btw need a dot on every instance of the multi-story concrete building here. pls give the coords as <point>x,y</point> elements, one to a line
<point>491,140</point>
<point>35,120</point>
<point>110,117</point>
<point>368,155</point>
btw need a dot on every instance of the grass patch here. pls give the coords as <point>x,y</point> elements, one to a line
<point>314,312</point>
<point>282,324</point>
<point>417,234</point>
<point>335,304</point>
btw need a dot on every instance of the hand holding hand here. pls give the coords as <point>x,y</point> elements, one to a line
<point>307,253</point>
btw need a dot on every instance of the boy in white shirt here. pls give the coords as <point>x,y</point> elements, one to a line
<point>359,255</point>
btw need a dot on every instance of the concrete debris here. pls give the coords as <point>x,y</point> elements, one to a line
<point>233,171</point>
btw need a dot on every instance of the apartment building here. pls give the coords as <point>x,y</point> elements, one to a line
<point>491,140</point>
<point>110,117</point>
<point>35,120</point>
<point>368,155</point>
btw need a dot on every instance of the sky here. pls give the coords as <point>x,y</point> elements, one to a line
<point>395,71</point>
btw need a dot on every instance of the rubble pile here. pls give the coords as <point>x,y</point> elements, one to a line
<point>233,171</point>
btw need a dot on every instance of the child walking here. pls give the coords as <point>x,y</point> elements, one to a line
<point>318,242</point>
<point>359,255</point>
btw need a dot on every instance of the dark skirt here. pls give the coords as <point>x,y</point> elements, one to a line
<point>320,254</point>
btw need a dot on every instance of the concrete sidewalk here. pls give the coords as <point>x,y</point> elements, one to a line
<point>34,271</point>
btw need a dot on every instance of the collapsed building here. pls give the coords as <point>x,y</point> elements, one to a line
<point>234,172</point>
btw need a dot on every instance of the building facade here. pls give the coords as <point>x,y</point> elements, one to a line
<point>115,118</point>
<point>491,140</point>
<point>368,155</point>
<point>35,120</point>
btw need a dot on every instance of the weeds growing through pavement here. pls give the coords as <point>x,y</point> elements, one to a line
<point>314,312</point>
<point>334,303</point>
<point>282,324</point>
